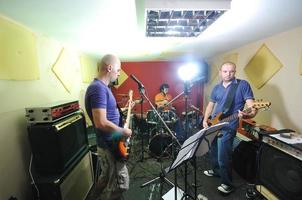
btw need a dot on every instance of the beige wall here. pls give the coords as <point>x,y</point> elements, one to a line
<point>283,90</point>
<point>17,95</point>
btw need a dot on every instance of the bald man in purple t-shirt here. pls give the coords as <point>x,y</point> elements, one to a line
<point>102,110</point>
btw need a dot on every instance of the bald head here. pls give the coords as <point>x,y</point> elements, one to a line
<point>109,59</point>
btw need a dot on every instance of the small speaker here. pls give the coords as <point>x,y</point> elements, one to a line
<point>280,173</point>
<point>56,145</point>
<point>74,183</point>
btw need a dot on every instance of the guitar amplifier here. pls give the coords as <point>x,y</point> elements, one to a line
<point>51,112</point>
<point>74,183</point>
<point>56,145</point>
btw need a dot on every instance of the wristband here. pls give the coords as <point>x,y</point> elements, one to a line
<point>116,135</point>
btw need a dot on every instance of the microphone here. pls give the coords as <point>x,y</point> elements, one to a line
<point>137,81</point>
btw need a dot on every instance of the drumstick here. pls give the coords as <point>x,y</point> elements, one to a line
<point>195,108</point>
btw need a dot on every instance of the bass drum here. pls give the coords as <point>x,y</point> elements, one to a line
<point>160,145</point>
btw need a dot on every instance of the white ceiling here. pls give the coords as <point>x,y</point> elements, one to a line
<point>117,26</point>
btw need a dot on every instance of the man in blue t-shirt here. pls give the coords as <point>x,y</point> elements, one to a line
<point>102,110</point>
<point>221,149</point>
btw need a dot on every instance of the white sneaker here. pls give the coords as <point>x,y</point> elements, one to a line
<point>210,173</point>
<point>226,189</point>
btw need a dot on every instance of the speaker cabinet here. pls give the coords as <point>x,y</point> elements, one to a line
<point>56,145</point>
<point>73,184</point>
<point>280,173</point>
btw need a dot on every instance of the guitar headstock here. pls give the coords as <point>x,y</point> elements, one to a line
<point>259,104</point>
<point>130,94</point>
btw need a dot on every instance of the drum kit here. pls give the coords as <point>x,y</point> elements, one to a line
<point>161,141</point>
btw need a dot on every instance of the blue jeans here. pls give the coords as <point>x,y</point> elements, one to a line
<point>221,155</point>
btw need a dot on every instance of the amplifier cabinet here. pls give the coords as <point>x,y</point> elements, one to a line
<point>56,145</point>
<point>73,184</point>
<point>280,173</point>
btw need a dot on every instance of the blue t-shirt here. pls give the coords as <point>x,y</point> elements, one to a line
<point>219,96</point>
<point>99,95</point>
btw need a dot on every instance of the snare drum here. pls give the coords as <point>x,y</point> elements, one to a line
<point>190,114</point>
<point>160,145</point>
<point>152,118</point>
<point>169,116</point>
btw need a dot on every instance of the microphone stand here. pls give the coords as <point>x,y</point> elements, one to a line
<point>141,92</point>
<point>174,139</point>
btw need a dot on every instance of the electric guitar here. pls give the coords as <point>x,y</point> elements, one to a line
<point>123,143</point>
<point>258,104</point>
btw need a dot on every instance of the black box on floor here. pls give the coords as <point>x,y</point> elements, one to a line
<point>245,160</point>
<point>73,184</point>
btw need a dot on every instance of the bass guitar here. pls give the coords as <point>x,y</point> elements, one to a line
<point>123,143</point>
<point>258,104</point>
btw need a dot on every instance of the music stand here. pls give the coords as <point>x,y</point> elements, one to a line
<point>195,146</point>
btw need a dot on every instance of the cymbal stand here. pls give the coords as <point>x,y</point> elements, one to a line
<point>179,95</point>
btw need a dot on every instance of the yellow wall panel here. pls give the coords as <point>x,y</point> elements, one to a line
<point>262,67</point>
<point>121,79</point>
<point>88,68</point>
<point>18,53</point>
<point>65,68</point>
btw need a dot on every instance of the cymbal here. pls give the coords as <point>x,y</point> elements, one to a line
<point>123,95</point>
<point>138,101</point>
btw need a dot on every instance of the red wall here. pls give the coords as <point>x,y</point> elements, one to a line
<point>152,75</point>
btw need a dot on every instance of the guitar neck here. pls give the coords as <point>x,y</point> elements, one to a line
<point>235,115</point>
<point>126,125</point>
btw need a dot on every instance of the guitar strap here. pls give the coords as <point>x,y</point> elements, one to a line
<point>230,97</point>
<point>122,115</point>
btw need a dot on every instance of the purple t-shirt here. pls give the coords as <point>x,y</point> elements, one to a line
<point>99,95</point>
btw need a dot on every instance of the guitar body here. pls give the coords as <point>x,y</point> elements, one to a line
<point>215,120</point>
<point>123,143</point>
<point>123,149</point>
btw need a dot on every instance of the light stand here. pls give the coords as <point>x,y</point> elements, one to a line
<point>186,93</point>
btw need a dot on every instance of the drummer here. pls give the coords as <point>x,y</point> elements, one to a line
<point>162,98</point>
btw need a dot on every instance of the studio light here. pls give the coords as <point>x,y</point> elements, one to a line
<point>188,72</point>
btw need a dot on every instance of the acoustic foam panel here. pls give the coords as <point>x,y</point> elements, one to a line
<point>262,67</point>
<point>65,68</point>
<point>18,53</point>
